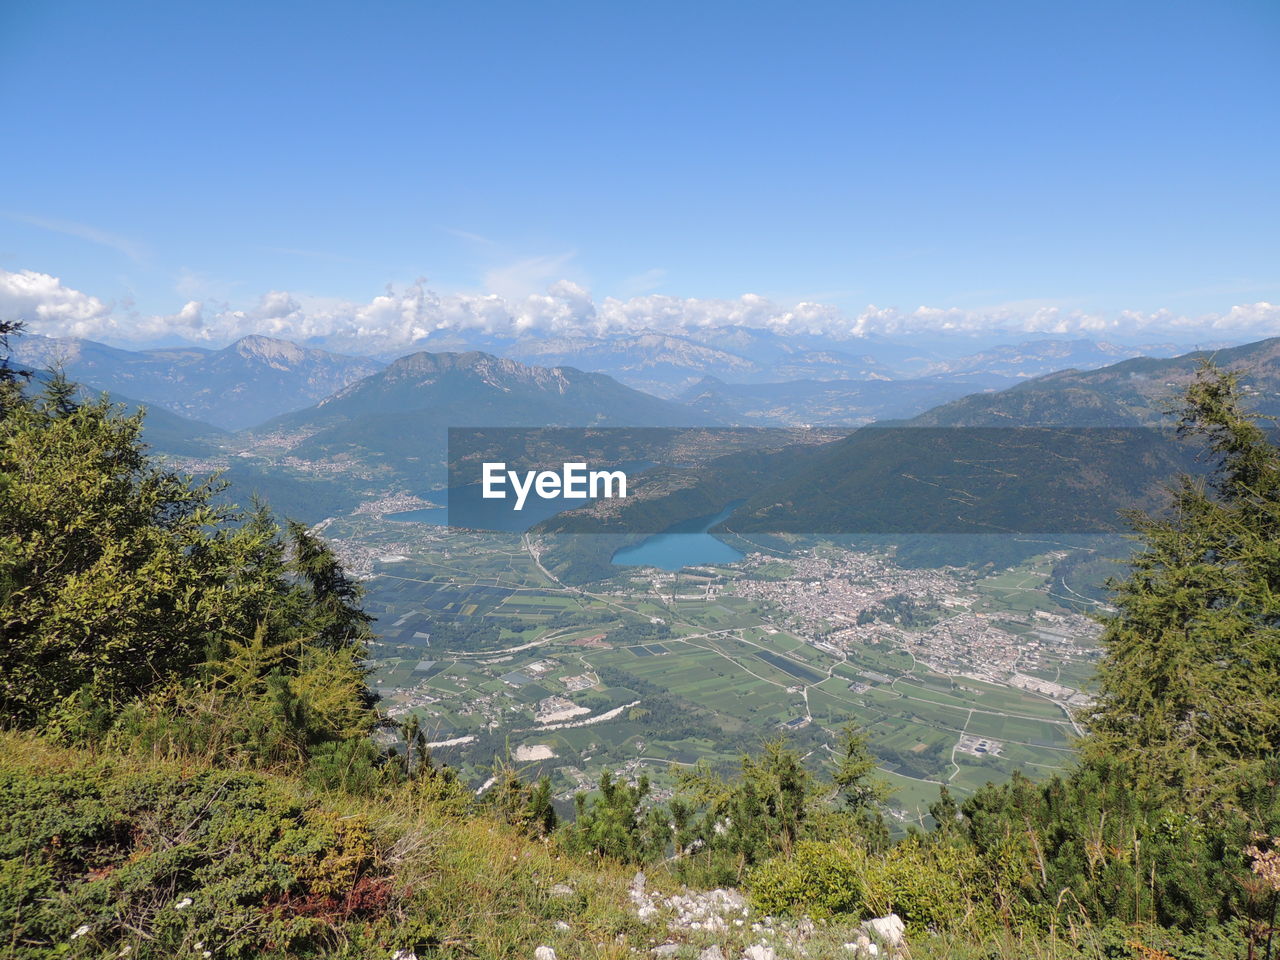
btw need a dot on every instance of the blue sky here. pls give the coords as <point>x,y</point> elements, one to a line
<point>983,157</point>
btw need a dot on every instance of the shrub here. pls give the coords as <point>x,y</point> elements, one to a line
<point>818,879</point>
<point>932,886</point>
<point>97,860</point>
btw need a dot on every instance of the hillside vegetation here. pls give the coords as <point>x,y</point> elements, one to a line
<point>194,765</point>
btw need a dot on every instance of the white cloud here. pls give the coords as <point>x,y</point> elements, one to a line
<point>51,308</point>
<point>397,319</point>
<point>1014,319</point>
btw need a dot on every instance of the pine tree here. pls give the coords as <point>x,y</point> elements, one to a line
<point>855,776</point>
<point>129,600</point>
<point>1189,689</point>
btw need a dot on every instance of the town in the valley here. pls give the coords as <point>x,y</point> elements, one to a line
<point>957,676</point>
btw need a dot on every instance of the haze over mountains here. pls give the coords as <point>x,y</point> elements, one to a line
<point>399,417</point>
<point>319,432</point>
<point>245,383</point>
<point>829,402</point>
<point>729,374</point>
<point>1135,392</point>
<point>667,362</point>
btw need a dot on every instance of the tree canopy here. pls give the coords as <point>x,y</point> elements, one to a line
<point>1189,688</point>
<point>123,587</point>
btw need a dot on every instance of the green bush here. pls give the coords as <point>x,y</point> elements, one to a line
<point>818,879</point>
<point>932,886</point>
<point>167,865</point>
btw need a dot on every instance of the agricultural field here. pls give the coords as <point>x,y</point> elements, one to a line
<point>654,672</point>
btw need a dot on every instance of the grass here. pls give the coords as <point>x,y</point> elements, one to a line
<point>482,889</point>
<point>450,883</point>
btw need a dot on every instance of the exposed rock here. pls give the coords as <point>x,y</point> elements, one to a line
<point>758,951</point>
<point>562,890</point>
<point>544,953</point>
<point>712,952</point>
<point>707,911</point>
<point>711,911</point>
<point>644,904</point>
<point>666,950</point>
<point>890,930</point>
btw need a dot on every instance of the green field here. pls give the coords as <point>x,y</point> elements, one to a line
<point>713,677</point>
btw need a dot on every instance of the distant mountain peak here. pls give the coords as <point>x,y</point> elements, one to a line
<point>249,381</point>
<point>281,354</point>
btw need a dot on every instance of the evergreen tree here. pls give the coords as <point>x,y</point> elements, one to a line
<point>131,606</point>
<point>618,823</point>
<point>741,822</point>
<point>528,806</point>
<point>1189,689</point>
<point>856,775</point>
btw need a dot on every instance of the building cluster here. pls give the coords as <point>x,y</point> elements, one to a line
<point>854,599</point>
<point>393,503</point>
<point>832,593</point>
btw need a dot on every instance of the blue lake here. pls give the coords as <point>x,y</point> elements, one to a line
<point>686,544</point>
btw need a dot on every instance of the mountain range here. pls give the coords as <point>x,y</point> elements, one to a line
<point>398,418</point>
<point>665,363</point>
<point>1136,392</point>
<point>734,374</point>
<point>1080,455</point>
<point>388,422</point>
<point>963,474</point>
<point>668,364</point>
<point>245,383</point>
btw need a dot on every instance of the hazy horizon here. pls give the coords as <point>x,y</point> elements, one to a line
<point>1009,171</point>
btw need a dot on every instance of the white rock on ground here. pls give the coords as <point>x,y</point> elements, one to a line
<point>706,911</point>
<point>712,953</point>
<point>890,930</point>
<point>645,907</point>
<point>544,953</point>
<point>863,948</point>
<point>758,951</point>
